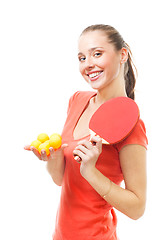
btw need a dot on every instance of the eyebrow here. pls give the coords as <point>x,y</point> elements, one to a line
<point>90,50</point>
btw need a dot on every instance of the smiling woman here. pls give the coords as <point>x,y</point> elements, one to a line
<point>91,189</point>
<point>106,56</point>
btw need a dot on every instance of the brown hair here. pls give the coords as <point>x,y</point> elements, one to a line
<point>116,39</point>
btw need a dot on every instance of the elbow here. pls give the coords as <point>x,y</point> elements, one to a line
<point>57,178</point>
<point>138,212</point>
<point>57,181</point>
<point>138,215</point>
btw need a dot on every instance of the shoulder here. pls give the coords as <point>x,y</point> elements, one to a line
<point>78,99</point>
<point>137,136</point>
<point>81,95</point>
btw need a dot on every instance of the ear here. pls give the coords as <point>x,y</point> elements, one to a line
<point>124,55</point>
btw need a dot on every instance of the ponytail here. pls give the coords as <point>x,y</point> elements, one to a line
<point>129,75</point>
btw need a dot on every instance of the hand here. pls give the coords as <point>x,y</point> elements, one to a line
<point>43,156</point>
<point>89,152</point>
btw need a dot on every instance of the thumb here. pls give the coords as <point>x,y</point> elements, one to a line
<point>27,147</point>
<point>64,146</point>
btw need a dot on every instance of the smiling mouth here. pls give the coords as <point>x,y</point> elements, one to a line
<point>95,75</point>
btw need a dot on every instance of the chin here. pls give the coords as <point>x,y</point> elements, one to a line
<point>97,85</point>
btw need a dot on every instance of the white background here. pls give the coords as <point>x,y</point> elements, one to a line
<point>38,74</point>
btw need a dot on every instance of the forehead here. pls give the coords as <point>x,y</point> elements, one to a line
<point>93,39</point>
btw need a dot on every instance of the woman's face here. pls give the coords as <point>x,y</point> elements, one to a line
<point>99,62</point>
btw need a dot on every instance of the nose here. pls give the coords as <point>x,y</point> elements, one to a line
<point>89,63</point>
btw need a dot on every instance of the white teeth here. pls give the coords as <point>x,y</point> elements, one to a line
<point>92,75</point>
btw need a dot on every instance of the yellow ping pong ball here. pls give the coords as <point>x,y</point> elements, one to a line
<point>42,137</point>
<point>36,144</point>
<point>55,140</point>
<point>44,146</point>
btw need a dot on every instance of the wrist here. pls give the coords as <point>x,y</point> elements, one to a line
<point>88,173</point>
<point>101,184</point>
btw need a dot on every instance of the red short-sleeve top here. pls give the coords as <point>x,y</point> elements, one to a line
<point>83,214</point>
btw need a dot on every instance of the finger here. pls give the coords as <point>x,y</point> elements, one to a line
<point>78,153</point>
<point>77,158</point>
<point>36,152</point>
<point>83,148</point>
<point>51,150</point>
<point>97,142</point>
<point>96,139</point>
<point>44,156</point>
<point>64,146</point>
<point>86,144</point>
<point>27,147</point>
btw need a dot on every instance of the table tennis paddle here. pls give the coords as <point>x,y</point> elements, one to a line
<point>114,120</point>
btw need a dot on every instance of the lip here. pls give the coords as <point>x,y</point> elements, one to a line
<point>92,79</point>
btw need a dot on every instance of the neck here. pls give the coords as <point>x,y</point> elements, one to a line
<point>115,89</point>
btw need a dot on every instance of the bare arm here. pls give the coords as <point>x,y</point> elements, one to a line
<point>131,200</point>
<point>56,165</point>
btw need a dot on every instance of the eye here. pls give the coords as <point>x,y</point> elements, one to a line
<point>81,59</point>
<point>97,54</point>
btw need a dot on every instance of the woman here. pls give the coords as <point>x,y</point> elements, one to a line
<point>91,189</point>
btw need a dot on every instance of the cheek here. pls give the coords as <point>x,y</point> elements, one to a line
<point>82,72</point>
<point>104,63</point>
<point>81,69</point>
<point>111,66</point>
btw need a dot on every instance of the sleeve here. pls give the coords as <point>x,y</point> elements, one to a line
<point>137,136</point>
<point>79,98</point>
<point>71,101</point>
